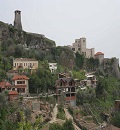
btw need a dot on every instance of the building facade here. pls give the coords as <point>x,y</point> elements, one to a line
<point>80,46</point>
<point>20,83</point>
<point>90,81</point>
<point>53,67</point>
<point>66,91</point>
<point>5,85</point>
<point>25,63</point>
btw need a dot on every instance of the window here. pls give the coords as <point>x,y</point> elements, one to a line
<point>60,83</point>
<point>83,40</point>
<point>70,83</point>
<point>73,94</point>
<point>73,49</point>
<point>67,95</point>
<point>72,89</point>
<point>20,82</point>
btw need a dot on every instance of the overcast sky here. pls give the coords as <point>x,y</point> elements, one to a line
<point>66,20</point>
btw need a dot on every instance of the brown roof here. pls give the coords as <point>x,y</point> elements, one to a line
<point>19,77</point>
<point>24,59</point>
<point>5,84</point>
<point>99,53</point>
<point>13,93</point>
<point>66,80</point>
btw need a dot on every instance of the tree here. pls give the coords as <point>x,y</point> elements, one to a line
<point>115,120</point>
<point>79,60</point>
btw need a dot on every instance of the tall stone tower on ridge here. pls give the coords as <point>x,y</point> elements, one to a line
<point>17,21</point>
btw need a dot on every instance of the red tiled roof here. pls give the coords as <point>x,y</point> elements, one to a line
<point>4,84</point>
<point>99,53</point>
<point>13,93</point>
<point>17,77</point>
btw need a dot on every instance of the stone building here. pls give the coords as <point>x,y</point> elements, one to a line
<point>17,21</point>
<point>99,56</point>
<point>80,46</point>
<point>25,63</point>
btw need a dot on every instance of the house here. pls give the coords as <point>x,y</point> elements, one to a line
<point>20,83</point>
<point>25,63</point>
<point>12,95</point>
<point>89,81</point>
<point>53,67</point>
<point>66,91</point>
<point>5,85</point>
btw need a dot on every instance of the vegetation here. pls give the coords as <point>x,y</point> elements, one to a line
<point>66,126</point>
<point>116,119</point>
<point>61,113</point>
<point>97,102</point>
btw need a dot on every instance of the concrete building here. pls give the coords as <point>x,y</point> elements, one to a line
<point>80,46</point>
<point>25,63</point>
<point>66,91</point>
<point>20,83</point>
<point>17,21</point>
<point>99,56</point>
<point>90,81</point>
<point>53,67</point>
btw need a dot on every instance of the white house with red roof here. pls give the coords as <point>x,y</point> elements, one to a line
<point>20,83</point>
<point>99,56</point>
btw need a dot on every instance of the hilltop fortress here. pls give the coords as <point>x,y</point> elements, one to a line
<point>80,46</point>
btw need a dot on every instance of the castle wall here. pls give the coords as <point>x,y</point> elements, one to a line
<point>90,52</point>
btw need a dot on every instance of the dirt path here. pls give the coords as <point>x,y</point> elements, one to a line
<point>54,114</point>
<point>68,116</point>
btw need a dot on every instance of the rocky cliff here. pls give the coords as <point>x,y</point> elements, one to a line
<point>18,43</point>
<point>29,40</point>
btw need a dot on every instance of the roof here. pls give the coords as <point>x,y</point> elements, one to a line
<point>24,59</point>
<point>19,77</point>
<point>89,76</point>
<point>99,53</point>
<point>64,80</point>
<point>13,93</point>
<point>5,84</point>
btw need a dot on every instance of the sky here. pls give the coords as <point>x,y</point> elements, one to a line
<point>66,20</point>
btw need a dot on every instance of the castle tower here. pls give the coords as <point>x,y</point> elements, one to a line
<point>17,21</point>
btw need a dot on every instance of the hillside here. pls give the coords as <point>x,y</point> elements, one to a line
<point>16,43</point>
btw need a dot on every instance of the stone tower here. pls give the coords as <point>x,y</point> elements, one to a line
<point>17,21</point>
